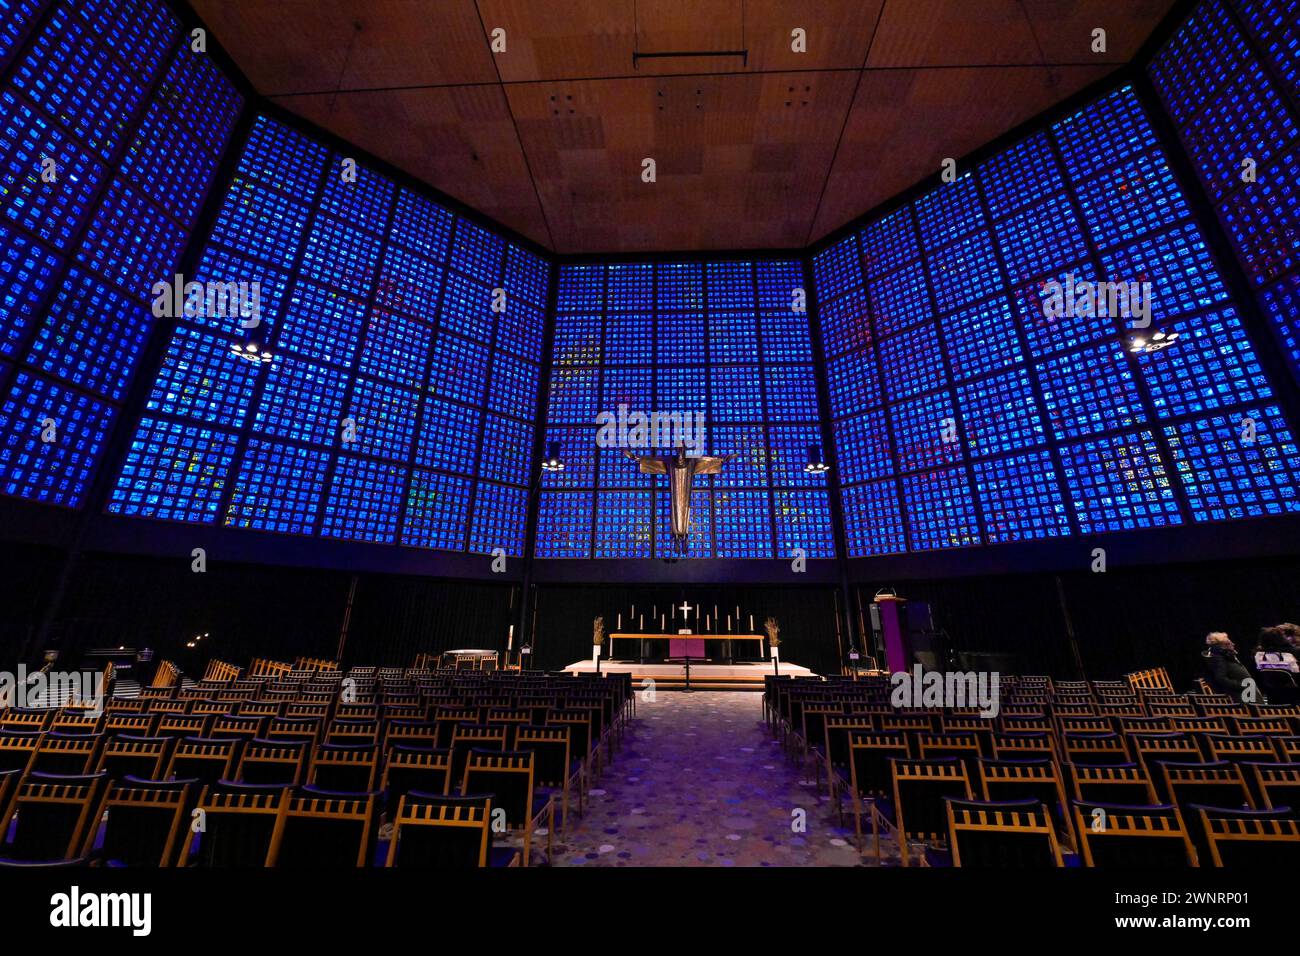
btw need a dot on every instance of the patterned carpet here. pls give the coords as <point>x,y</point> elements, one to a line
<point>700,782</point>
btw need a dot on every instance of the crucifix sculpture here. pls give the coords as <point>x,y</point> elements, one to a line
<point>681,472</point>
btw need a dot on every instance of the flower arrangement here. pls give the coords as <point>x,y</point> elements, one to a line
<point>598,631</point>
<point>773,629</point>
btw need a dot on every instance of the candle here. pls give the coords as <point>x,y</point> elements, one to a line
<point>751,623</point>
<point>663,624</point>
<point>510,640</point>
<point>642,625</point>
<point>620,620</point>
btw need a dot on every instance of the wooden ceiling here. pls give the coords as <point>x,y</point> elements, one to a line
<point>772,149</point>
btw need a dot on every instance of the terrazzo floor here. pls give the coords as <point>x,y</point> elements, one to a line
<point>699,781</point>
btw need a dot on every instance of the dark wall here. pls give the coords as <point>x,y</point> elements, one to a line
<point>807,616</point>
<point>1124,619</point>
<point>28,573</point>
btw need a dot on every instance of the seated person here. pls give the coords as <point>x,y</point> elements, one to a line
<point>1292,634</point>
<point>1224,669</point>
<point>1273,652</point>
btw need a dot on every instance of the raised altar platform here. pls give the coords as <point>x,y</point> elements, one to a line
<point>704,676</point>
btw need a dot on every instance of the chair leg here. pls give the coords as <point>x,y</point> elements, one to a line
<point>528,841</point>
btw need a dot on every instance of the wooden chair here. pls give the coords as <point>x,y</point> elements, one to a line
<point>203,758</point>
<point>1018,834</point>
<point>1126,784</point>
<point>242,726</point>
<point>869,778</point>
<point>321,829</point>
<point>434,830</point>
<point>1016,744</point>
<point>126,755</point>
<point>145,822</point>
<point>1093,748</point>
<point>1034,778</point>
<point>344,768</point>
<point>1218,784</point>
<point>509,776</point>
<point>555,767</point>
<point>916,813</point>
<point>1132,836</point>
<point>467,737</point>
<point>1273,784</point>
<point>33,719</point>
<point>18,749</point>
<point>1255,748</point>
<point>67,754</point>
<point>282,762</point>
<point>1264,839</point>
<point>241,824</point>
<point>1150,749</point>
<point>184,725</point>
<point>294,728</point>
<point>130,724</point>
<point>408,768</point>
<point>54,814</point>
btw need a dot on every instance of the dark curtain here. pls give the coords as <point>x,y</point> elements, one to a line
<point>30,573</point>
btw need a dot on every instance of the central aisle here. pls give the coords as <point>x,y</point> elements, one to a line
<point>699,782</point>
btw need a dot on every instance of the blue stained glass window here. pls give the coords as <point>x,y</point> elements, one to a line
<point>164,161</point>
<point>1073,321</point>
<point>409,283</point>
<point>845,324</point>
<point>1118,483</point>
<point>1210,365</point>
<point>777,282</point>
<point>680,339</point>
<point>91,336</point>
<point>1177,263</point>
<point>731,285</point>
<point>733,337</point>
<point>278,488</point>
<point>448,437</point>
<point>478,253</point>
<point>981,339</point>
<point>26,140</point>
<point>458,369</point>
<point>364,500</point>
<point>616,469</point>
<point>528,277</point>
<point>873,521</point>
<point>201,379</point>
<point>25,273</point>
<point>301,401</point>
<point>284,158</point>
<point>628,339</point>
<point>736,395</point>
<point>580,289</point>
<point>1281,304</point>
<point>683,390</point>
<point>1104,132</point>
<point>836,269</point>
<point>508,450</point>
<point>1090,391</point>
<point>949,212</point>
<point>341,256</point>
<point>679,286</point>
<point>862,447</point>
<point>514,387</point>
<point>853,383</point>
<point>1264,220</point>
<point>363,203</point>
<point>200,96</point>
<point>1278,29</point>
<point>1041,238</point>
<point>564,524</point>
<point>802,522</point>
<point>437,511</point>
<point>788,450</point>
<point>965,272</point>
<point>627,386</point>
<point>940,510</point>
<point>925,432</point>
<point>791,393</point>
<point>623,524</point>
<point>174,472</point>
<point>699,539</point>
<point>749,469</point>
<point>467,309</point>
<point>59,470</point>
<point>912,363</point>
<point>785,336</point>
<point>1020,498</point>
<point>1132,199</point>
<point>888,243</point>
<point>742,523</point>
<point>578,340</point>
<point>421,226</point>
<point>899,300</point>
<point>999,414</point>
<point>396,348</point>
<point>1237,464</point>
<point>16,18</point>
<point>519,330</point>
<point>259,222</point>
<point>1203,54</point>
<point>138,33</point>
<point>322,324</point>
<point>578,451</point>
<point>1015,177</point>
<point>261,296</point>
<point>574,397</point>
<point>130,243</point>
<point>499,518</point>
<point>384,416</point>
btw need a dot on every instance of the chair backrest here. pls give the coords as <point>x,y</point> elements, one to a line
<point>1250,838</point>
<point>326,829</point>
<point>145,821</point>
<point>409,767</point>
<point>207,759</point>
<point>1093,748</point>
<point>552,752</point>
<point>294,728</point>
<point>243,726</point>
<point>67,753</point>
<point>344,768</point>
<point>242,824</point>
<point>1017,833</point>
<point>508,775</point>
<point>283,762</point>
<point>1032,778</point>
<point>1112,783</point>
<point>435,830</point>
<point>1274,784</point>
<point>1019,743</point>
<point>870,753</point>
<point>1120,835</point>
<point>54,812</point>
<point>125,754</point>
<point>1237,749</point>
<point>18,748</point>
<point>920,787</point>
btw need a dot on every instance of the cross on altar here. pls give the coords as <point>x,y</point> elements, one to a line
<point>684,608</point>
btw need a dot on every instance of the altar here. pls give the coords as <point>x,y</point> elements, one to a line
<point>697,647</point>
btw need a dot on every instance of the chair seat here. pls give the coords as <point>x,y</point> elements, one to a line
<point>502,856</point>
<point>937,857</point>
